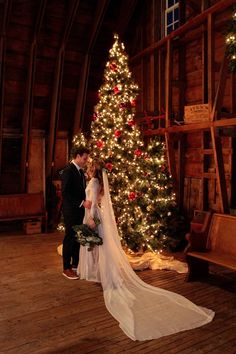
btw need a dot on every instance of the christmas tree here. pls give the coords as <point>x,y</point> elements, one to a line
<point>140,186</point>
<point>79,140</point>
<point>231,43</point>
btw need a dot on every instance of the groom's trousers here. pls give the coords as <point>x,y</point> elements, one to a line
<point>70,246</point>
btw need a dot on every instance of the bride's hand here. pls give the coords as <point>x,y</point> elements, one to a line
<point>91,223</point>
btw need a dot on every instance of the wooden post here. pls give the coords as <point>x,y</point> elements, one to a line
<point>220,172</point>
<point>168,91</point>
<point>171,161</point>
<point>2,72</point>
<point>216,109</point>
<point>181,164</point>
<point>233,92</point>
<point>210,66</point>
<point>182,81</point>
<point>161,82</point>
<point>81,96</point>
<point>168,79</point>
<point>204,65</point>
<point>55,108</point>
<point>204,5</point>
<point>27,117</point>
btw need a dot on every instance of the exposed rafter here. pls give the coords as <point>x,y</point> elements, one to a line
<point>7,10</point>
<point>83,82</point>
<point>126,12</point>
<point>28,102</point>
<point>56,94</point>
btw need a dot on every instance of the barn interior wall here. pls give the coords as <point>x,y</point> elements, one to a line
<point>190,85</point>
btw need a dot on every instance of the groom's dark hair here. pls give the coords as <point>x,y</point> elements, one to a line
<point>79,150</point>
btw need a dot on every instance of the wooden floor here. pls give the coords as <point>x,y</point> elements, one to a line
<point>43,312</point>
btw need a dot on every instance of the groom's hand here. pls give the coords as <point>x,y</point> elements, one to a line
<point>87,204</point>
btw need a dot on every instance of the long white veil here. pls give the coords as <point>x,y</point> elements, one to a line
<point>143,311</point>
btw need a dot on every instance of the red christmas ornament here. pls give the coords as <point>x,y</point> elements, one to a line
<point>122,105</point>
<point>163,167</point>
<point>113,67</point>
<point>109,166</point>
<point>117,133</point>
<point>133,103</point>
<point>132,196</point>
<point>116,90</point>
<point>95,116</point>
<point>131,123</point>
<point>137,152</point>
<point>100,144</point>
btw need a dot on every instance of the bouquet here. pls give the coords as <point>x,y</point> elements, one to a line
<point>87,235</point>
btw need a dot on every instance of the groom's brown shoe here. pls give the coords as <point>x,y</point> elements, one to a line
<point>68,273</point>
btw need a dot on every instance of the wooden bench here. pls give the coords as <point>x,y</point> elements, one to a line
<point>23,207</point>
<point>199,227</point>
<point>216,244</point>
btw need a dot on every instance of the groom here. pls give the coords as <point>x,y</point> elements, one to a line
<point>73,204</point>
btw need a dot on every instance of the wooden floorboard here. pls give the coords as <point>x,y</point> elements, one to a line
<point>43,312</point>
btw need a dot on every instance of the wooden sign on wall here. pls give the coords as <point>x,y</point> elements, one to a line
<point>196,114</point>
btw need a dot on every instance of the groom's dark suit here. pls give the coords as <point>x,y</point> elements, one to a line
<point>73,194</point>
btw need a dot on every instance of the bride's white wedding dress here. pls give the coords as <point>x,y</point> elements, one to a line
<point>143,311</point>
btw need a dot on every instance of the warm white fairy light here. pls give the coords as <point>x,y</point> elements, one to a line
<point>136,189</point>
<point>230,41</point>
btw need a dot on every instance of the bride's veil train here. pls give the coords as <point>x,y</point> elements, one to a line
<point>143,311</point>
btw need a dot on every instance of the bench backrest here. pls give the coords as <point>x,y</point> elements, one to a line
<point>222,234</point>
<point>17,205</point>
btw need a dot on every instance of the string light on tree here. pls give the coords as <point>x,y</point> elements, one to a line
<point>230,41</point>
<point>79,140</point>
<point>138,201</point>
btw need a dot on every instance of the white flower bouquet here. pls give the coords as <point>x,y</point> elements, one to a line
<point>88,236</point>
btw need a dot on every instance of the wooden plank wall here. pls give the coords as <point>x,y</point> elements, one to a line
<point>194,77</point>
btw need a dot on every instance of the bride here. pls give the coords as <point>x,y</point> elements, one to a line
<point>143,311</point>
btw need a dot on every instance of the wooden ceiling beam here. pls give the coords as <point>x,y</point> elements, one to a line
<point>57,88</point>
<point>83,81</point>
<point>126,11</point>
<point>6,15</point>
<point>28,102</point>
<point>99,16</point>
<point>39,19</point>
<point>69,23</point>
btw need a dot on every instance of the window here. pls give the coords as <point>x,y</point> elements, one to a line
<point>171,16</point>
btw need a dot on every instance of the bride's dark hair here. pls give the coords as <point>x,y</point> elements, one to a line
<point>98,166</point>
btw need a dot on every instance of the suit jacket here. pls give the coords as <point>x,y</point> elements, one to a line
<point>73,191</point>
